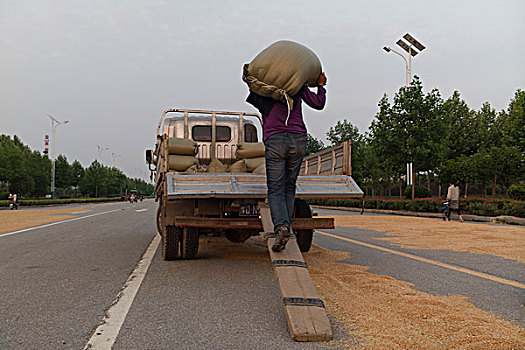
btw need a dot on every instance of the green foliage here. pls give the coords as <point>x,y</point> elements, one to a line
<point>4,196</point>
<point>419,192</point>
<point>100,180</point>
<point>517,191</point>
<point>343,131</point>
<point>313,145</point>
<point>445,140</point>
<point>77,172</point>
<point>471,206</point>
<point>63,172</point>
<point>346,131</point>
<point>25,171</point>
<point>28,174</point>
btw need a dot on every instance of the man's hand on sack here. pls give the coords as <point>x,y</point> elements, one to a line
<point>322,80</point>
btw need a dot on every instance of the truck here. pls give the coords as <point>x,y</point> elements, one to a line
<point>197,203</point>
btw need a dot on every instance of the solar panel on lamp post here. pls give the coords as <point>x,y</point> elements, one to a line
<point>412,51</point>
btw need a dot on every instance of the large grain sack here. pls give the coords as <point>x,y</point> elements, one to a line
<point>181,163</point>
<point>181,146</point>
<point>281,70</point>
<point>253,163</point>
<point>250,150</point>
<point>260,170</point>
<point>216,166</point>
<point>192,169</point>
<point>239,167</point>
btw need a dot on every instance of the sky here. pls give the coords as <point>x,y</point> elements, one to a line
<point>112,67</point>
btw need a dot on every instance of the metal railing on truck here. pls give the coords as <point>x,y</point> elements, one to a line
<point>213,114</point>
<point>336,160</point>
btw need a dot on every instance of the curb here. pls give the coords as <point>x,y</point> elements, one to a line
<point>511,220</point>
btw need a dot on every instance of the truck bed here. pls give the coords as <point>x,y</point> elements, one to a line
<point>185,186</point>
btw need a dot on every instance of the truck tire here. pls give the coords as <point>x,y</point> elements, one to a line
<point>170,242</point>
<point>159,220</point>
<point>304,237</point>
<point>189,245</point>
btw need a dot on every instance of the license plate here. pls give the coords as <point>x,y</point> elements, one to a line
<point>248,210</point>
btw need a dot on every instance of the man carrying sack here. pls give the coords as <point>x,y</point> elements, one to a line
<point>284,134</point>
<point>278,79</point>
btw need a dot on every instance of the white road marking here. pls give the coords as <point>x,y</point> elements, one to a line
<point>105,335</point>
<point>55,223</point>
<point>140,210</point>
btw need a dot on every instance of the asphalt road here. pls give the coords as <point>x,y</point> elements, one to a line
<point>503,300</point>
<point>57,282</point>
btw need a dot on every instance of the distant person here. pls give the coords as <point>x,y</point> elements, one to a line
<point>284,134</point>
<point>13,201</point>
<point>453,198</point>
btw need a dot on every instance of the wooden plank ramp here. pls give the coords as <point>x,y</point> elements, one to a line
<point>305,311</point>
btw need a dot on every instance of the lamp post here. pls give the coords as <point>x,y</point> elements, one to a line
<point>113,157</point>
<point>412,49</point>
<point>407,66</point>
<point>100,149</point>
<point>54,124</point>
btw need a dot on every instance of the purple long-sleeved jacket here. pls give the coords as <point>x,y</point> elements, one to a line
<point>274,113</point>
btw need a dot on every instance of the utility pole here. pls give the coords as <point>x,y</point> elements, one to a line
<point>100,149</point>
<point>113,157</point>
<point>54,124</point>
<point>412,49</point>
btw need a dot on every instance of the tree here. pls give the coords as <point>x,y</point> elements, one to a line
<point>457,139</point>
<point>22,169</point>
<point>63,173</point>
<point>343,131</point>
<point>511,126</point>
<point>77,172</point>
<point>513,121</point>
<point>408,131</point>
<point>92,179</point>
<point>114,182</point>
<point>313,145</point>
<point>41,174</point>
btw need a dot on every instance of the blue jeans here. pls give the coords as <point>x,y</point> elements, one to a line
<point>284,154</point>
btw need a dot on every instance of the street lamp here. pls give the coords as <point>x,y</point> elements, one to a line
<point>114,156</point>
<point>54,124</point>
<point>407,67</point>
<point>100,149</point>
<point>412,49</point>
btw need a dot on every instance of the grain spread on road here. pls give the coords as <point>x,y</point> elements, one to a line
<point>423,233</point>
<point>385,313</point>
<point>12,220</point>
<point>380,312</point>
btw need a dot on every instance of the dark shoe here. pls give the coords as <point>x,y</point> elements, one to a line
<point>283,235</point>
<point>269,235</point>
